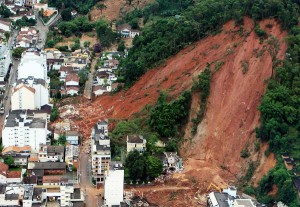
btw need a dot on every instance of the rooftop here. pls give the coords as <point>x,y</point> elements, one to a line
<point>46,165</point>
<point>135,139</point>
<point>16,149</point>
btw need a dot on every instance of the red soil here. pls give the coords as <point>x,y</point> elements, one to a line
<point>231,114</point>
<point>213,155</point>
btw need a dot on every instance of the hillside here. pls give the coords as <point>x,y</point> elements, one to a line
<point>231,114</point>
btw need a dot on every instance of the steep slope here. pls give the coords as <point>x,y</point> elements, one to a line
<point>231,114</point>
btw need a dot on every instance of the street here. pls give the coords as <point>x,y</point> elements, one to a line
<point>92,198</point>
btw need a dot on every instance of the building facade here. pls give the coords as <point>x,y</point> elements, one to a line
<point>21,130</point>
<point>100,151</point>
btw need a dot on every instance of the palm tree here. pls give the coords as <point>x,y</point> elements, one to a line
<point>101,6</point>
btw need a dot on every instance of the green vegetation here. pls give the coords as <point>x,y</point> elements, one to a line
<point>280,112</point>
<point>17,53</point>
<point>171,26</point>
<point>54,114</point>
<point>62,140</point>
<point>76,26</point>
<point>9,160</point>
<point>165,117</point>
<point>55,83</point>
<point>202,85</point>
<point>142,166</point>
<point>105,33</point>
<point>4,11</point>
<point>24,22</point>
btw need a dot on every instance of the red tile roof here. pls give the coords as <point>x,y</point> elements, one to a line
<point>72,77</point>
<point>13,174</point>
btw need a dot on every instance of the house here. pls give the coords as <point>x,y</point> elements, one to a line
<point>172,162</point>
<point>31,3</point>
<point>7,176</point>
<point>72,84</point>
<point>74,13</point>
<point>103,78</point>
<point>5,25</point>
<point>9,195</point>
<point>14,150</point>
<point>54,180</point>
<point>100,150</point>
<point>72,137</point>
<point>126,31</point>
<point>54,63</point>
<point>34,196</point>
<point>51,153</point>
<point>40,6</point>
<point>64,71</point>
<point>30,180</point>
<point>21,130</point>
<point>99,90</point>
<point>113,186</point>
<point>136,142</point>
<point>288,161</point>
<point>47,168</point>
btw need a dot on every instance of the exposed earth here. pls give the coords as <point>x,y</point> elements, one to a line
<point>213,154</point>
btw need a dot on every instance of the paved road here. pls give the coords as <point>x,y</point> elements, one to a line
<point>92,194</point>
<point>43,30</point>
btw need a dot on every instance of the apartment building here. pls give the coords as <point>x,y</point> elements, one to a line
<point>100,151</point>
<point>51,153</point>
<point>114,186</point>
<point>21,130</point>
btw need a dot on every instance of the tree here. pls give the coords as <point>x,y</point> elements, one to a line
<point>154,167</point>
<point>101,6</point>
<point>9,160</point>
<point>62,139</point>
<point>54,114</point>
<point>86,44</point>
<point>17,53</point>
<point>50,43</point>
<point>6,34</point>
<point>97,48</point>
<point>121,46</point>
<point>66,14</point>
<point>135,164</point>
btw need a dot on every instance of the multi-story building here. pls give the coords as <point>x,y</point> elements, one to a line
<point>5,61</point>
<point>21,130</point>
<point>32,89</point>
<point>114,186</point>
<point>33,64</point>
<point>100,151</point>
<point>70,194</point>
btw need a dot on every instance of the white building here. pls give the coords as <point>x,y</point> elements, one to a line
<point>30,93</point>
<point>113,187</point>
<point>21,130</point>
<point>136,142</point>
<point>100,151</point>
<point>5,61</point>
<point>70,194</point>
<point>33,64</point>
